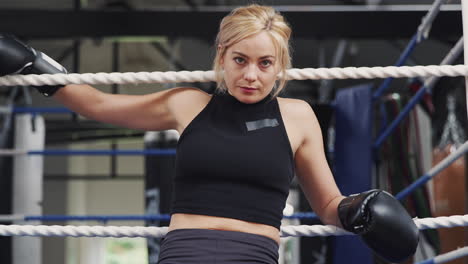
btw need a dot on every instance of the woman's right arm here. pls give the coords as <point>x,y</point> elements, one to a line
<point>156,111</point>
<point>169,109</point>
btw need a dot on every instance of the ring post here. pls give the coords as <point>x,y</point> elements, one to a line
<point>27,184</point>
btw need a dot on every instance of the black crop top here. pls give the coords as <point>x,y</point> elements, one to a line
<point>234,160</point>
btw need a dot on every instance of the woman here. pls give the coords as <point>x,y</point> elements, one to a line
<point>238,150</point>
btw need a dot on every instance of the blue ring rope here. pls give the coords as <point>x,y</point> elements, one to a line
<point>403,57</point>
<point>36,110</point>
<point>105,218</point>
<point>429,261</point>
<point>412,187</point>
<point>402,115</point>
<point>434,171</point>
<point>304,215</point>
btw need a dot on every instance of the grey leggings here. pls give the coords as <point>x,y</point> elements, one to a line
<point>216,247</point>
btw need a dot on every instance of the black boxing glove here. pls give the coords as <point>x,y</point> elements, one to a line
<point>383,223</point>
<point>18,58</point>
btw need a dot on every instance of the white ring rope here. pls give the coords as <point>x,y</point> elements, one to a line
<point>139,231</point>
<point>82,231</point>
<point>442,221</point>
<point>206,76</point>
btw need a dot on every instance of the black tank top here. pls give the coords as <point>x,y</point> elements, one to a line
<point>234,160</point>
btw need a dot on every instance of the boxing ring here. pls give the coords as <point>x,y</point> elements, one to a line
<point>134,231</point>
<point>431,73</point>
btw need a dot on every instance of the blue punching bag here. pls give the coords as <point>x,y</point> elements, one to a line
<point>353,161</point>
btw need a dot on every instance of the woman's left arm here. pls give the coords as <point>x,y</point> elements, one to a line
<point>380,219</point>
<point>312,170</point>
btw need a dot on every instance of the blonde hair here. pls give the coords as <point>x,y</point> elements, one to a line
<point>247,21</point>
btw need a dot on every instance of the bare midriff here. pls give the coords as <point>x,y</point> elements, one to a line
<point>188,221</point>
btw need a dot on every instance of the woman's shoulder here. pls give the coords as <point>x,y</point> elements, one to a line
<point>189,96</point>
<point>298,117</point>
<point>295,107</point>
<point>186,103</point>
<point>192,91</point>
<point>297,112</point>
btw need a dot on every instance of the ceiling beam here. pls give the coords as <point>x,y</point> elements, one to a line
<point>307,22</point>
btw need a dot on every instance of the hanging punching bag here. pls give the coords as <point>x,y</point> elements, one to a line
<point>450,199</point>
